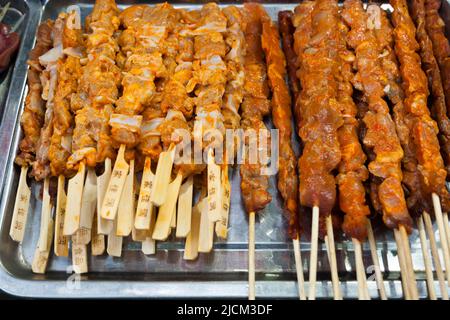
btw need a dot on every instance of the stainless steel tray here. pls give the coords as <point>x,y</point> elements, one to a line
<point>18,10</point>
<point>222,273</point>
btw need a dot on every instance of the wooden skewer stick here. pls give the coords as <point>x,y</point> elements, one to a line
<point>409,263</point>
<point>214,188</point>
<point>192,239</point>
<point>426,259</point>
<point>21,206</point>
<point>114,247</point>
<point>125,213</point>
<point>447,228</point>
<point>104,226</point>
<point>79,251</point>
<point>162,176</point>
<point>205,236</point>
<point>442,234</point>
<point>251,256</point>
<point>360,271</point>
<point>299,269</point>
<point>73,205</point>
<point>313,253</point>
<point>144,209</point>
<point>148,244</point>
<point>98,240</point>
<point>184,216</point>
<point>435,255</point>
<point>332,255</point>
<point>61,247</point>
<point>115,186</point>
<point>222,224</point>
<point>375,261</point>
<point>162,225</point>
<point>88,205</point>
<point>402,263</point>
<point>45,216</point>
<point>40,258</point>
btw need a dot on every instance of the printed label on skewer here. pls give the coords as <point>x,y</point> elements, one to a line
<point>73,205</point>
<point>89,200</point>
<point>115,187</point>
<point>40,258</point>
<point>145,207</point>
<point>222,224</point>
<point>162,226</point>
<point>185,208</point>
<point>125,212</point>
<point>45,216</point>
<point>98,240</point>
<point>214,193</point>
<point>21,206</point>
<point>61,247</point>
<point>104,226</point>
<point>79,258</point>
<point>192,239</point>
<point>82,236</point>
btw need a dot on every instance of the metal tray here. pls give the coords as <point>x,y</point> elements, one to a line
<point>222,273</point>
<point>20,9</point>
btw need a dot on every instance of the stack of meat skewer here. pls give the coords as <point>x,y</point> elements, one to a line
<point>144,86</point>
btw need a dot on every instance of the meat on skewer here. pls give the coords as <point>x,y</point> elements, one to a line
<point>282,118</point>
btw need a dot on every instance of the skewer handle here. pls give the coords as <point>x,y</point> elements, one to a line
<point>73,205</point>
<point>333,262</point>
<point>115,186</point>
<point>45,216</point>
<point>313,257</point>
<point>104,226</point>
<point>375,261</point>
<point>192,239</point>
<point>426,259</point>
<point>442,234</point>
<point>222,224</point>
<point>214,188</point>
<point>40,258</point>
<point>89,200</point>
<point>21,206</point>
<point>184,215</point>
<point>145,207</point>
<point>61,247</point>
<point>299,269</point>
<point>125,213</point>
<point>161,183</point>
<point>251,256</point>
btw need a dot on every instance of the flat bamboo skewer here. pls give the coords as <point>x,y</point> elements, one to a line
<point>125,212</point>
<point>21,206</point>
<point>313,253</point>
<point>435,255</point>
<point>115,186</point>
<point>251,256</point>
<point>104,226</point>
<point>40,258</point>
<point>61,247</point>
<point>184,217</point>
<point>360,271</point>
<point>222,224</point>
<point>376,262</point>
<point>162,176</point>
<point>332,257</point>
<point>426,259</point>
<point>144,210</point>
<point>98,240</point>
<point>299,268</point>
<point>74,198</point>
<point>45,216</point>
<point>88,205</point>
<point>192,239</point>
<point>114,247</point>
<point>442,234</point>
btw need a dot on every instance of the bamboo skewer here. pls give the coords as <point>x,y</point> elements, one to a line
<point>166,211</point>
<point>360,271</point>
<point>376,262</point>
<point>332,257</point>
<point>104,226</point>
<point>442,235</point>
<point>192,239</point>
<point>114,247</point>
<point>206,232</point>
<point>299,269</point>
<point>125,212</point>
<point>40,258</point>
<point>313,253</point>
<point>115,186</point>
<point>145,209</point>
<point>73,205</point>
<point>402,263</point>
<point>61,247</point>
<point>21,206</point>
<point>409,263</point>
<point>45,216</point>
<point>447,228</point>
<point>222,224</point>
<point>162,176</point>
<point>426,259</point>
<point>98,240</point>
<point>214,188</point>
<point>435,255</point>
<point>251,256</point>
<point>184,217</point>
<point>88,205</point>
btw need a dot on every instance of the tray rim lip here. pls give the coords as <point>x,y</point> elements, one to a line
<point>151,289</point>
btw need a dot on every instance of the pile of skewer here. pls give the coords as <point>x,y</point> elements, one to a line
<point>105,102</point>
